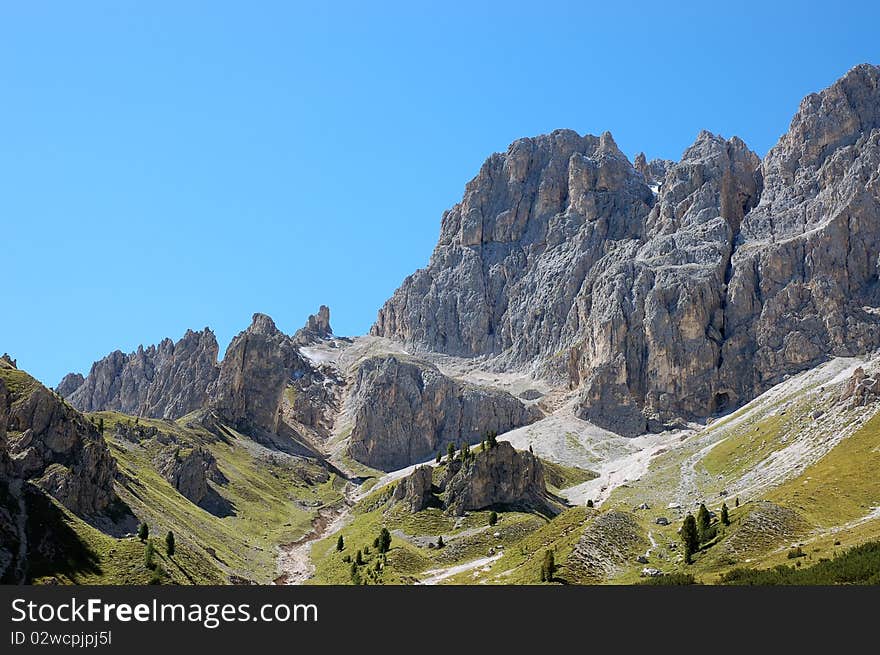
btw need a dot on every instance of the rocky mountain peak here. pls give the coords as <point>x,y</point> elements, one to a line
<point>260,364</point>
<point>263,324</point>
<point>167,380</point>
<point>317,327</point>
<point>663,290</point>
<point>834,117</point>
<point>69,383</point>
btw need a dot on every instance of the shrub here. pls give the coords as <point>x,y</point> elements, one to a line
<point>859,565</point>
<point>671,580</point>
<point>340,543</point>
<point>149,555</point>
<point>143,531</point>
<point>493,518</point>
<point>169,543</point>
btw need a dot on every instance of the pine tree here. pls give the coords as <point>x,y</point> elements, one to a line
<point>143,531</point>
<point>101,425</point>
<point>384,540</point>
<point>359,558</point>
<point>530,449</point>
<point>465,451</point>
<point>450,452</point>
<point>493,518</point>
<point>736,504</point>
<point>589,502</point>
<point>703,521</point>
<point>340,543</point>
<point>725,516</point>
<point>169,543</point>
<point>148,555</point>
<point>437,459</point>
<point>690,537</point>
<point>548,566</point>
<point>492,438</point>
<point>355,574</point>
<point>440,543</point>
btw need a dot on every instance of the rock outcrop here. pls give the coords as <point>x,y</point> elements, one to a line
<point>46,442</point>
<point>317,328</point>
<point>860,389</point>
<point>498,476</point>
<point>164,381</point>
<point>260,365</point>
<point>415,491</point>
<point>188,470</point>
<point>405,411</point>
<point>663,291</point>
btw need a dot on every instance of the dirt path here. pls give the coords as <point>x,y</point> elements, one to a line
<point>294,559</point>
<point>436,576</point>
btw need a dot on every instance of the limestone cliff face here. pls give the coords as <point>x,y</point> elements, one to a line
<point>662,290</point>
<point>52,445</point>
<point>258,366</point>
<point>46,443</point>
<point>405,411</point>
<point>164,381</point>
<point>804,275</point>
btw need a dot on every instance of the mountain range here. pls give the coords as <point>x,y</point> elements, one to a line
<point>597,349</point>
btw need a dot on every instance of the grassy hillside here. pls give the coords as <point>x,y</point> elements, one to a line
<point>265,499</point>
<point>413,555</point>
<point>269,498</point>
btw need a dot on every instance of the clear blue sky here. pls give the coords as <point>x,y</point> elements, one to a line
<point>166,165</point>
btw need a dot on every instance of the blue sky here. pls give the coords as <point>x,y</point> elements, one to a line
<point>167,165</point>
